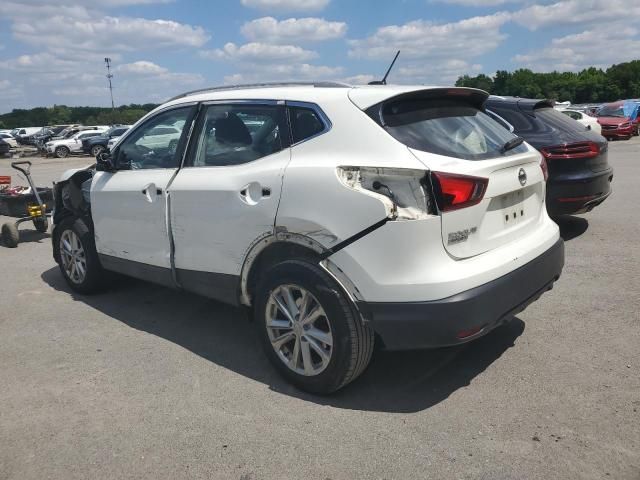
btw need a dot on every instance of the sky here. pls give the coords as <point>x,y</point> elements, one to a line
<point>52,52</point>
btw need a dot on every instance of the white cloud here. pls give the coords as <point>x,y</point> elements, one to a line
<point>478,3</point>
<point>360,79</point>
<point>287,5</point>
<point>576,52</point>
<point>141,67</point>
<point>433,52</point>
<point>107,34</point>
<point>568,12</point>
<point>420,39</point>
<point>293,30</point>
<point>260,53</point>
<point>292,72</point>
<point>446,73</point>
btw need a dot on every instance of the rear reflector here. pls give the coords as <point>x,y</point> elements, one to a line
<point>454,191</point>
<point>571,150</point>
<point>586,198</point>
<point>462,334</point>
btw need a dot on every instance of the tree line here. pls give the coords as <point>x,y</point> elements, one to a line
<point>591,85</point>
<point>63,115</point>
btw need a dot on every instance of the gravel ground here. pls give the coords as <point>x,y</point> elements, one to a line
<point>145,382</point>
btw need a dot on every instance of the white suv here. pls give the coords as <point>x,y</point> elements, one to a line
<point>339,214</point>
<point>61,148</point>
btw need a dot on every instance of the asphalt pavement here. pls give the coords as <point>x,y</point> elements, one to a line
<point>146,382</point>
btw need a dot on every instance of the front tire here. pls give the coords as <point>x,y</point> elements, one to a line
<point>309,328</point>
<point>75,251</point>
<point>62,152</point>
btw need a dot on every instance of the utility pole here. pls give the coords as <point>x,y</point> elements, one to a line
<point>107,60</point>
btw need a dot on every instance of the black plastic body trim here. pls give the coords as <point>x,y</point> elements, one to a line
<point>217,286</point>
<point>354,238</point>
<point>151,273</point>
<point>439,323</point>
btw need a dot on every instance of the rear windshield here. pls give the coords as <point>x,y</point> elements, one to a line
<point>444,126</point>
<point>558,120</point>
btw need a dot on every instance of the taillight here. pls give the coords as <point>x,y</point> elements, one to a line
<point>457,191</point>
<point>545,168</point>
<point>571,150</point>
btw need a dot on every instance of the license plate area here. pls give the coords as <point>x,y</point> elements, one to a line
<point>513,208</point>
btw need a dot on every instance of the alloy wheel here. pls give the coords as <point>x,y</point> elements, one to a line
<point>299,330</point>
<point>72,255</point>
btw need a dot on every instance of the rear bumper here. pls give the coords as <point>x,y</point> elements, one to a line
<point>467,315</point>
<point>578,194</point>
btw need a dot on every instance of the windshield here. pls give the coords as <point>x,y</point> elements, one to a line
<point>611,112</point>
<point>446,126</point>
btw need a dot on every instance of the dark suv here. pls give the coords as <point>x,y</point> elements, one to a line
<point>96,145</point>
<point>579,172</point>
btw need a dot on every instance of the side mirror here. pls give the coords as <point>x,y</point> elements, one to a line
<point>105,163</point>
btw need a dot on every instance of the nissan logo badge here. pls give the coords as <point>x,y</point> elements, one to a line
<point>522,176</point>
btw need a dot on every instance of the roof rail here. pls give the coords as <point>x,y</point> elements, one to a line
<point>262,85</point>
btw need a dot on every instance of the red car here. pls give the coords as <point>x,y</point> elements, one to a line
<point>614,123</point>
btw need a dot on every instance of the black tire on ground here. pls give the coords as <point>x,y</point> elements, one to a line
<point>10,235</point>
<point>94,279</point>
<point>353,340</point>
<point>62,152</point>
<point>97,150</point>
<point>41,224</point>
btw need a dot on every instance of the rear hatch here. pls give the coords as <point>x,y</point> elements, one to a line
<point>447,131</point>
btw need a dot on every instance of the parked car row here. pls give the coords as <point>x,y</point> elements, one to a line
<point>616,120</point>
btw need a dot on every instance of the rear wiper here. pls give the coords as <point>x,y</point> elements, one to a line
<point>511,144</point>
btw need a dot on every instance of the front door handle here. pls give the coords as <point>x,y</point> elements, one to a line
<point>150,191</point>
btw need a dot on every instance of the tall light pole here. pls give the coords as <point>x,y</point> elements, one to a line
<point>107,60</point>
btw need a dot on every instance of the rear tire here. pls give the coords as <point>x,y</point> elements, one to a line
<point>319,356</point>
<point>75,251</point>
<point>10,235</point>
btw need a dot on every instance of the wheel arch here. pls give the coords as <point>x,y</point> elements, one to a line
<point>285,245</point>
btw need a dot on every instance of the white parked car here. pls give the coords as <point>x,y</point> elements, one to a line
<point>587,120</point>
<point>63,147</point>
<point>339,214</point>
<point>7,137</point>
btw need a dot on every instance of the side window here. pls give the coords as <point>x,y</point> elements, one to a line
<point>156,143</point>
<point>521,122</point>
<point>500,120</point>
<point>238,133</point>
<point>305,123</point>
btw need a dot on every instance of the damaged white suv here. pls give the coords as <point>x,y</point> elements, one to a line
<point>341,215</point>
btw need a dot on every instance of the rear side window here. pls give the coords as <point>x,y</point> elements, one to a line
<point>445,126</point>
<point>574,115</point>
<point>305,123</point>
